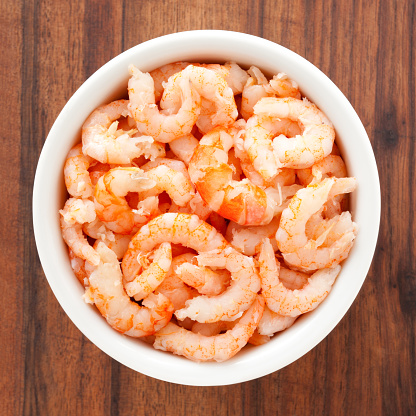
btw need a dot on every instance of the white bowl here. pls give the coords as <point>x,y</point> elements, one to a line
<point>110,82</point>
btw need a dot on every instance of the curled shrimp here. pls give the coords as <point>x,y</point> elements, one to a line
<point>75,213</point>
<point>284,301</point>
<point>330,166</point>
<point>175,183</point>
<point>77,177</point>
<point>103,141</point>
<point>218,348</point>
<point>323,250</point>
<point>188,230</point>
<point>162,126</point>
<point>107,293</point>
<point>235,299</point>
<point>298,152</point>
<point>141,285</point>
<point>110,203</point>
<point>239,201</point>
<point>218,107</point>
<point>162,74</point>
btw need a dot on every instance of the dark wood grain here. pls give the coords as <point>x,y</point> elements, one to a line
<point>366,365</point>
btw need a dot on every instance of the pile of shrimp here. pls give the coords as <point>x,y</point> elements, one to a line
<point>208,210</point>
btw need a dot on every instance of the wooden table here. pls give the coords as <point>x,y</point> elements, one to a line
<point>366,365</point>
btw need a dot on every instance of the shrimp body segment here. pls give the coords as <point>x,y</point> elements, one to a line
<point>107,293</point>
<point>210,348</point>
<point>239,201</point>
<point>77,177</point>
<point>287,302</point>
<point>239,295</point>
<point>145,283</point>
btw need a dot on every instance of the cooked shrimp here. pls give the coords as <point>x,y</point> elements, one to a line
<point>218,348</point>
<point>175,183</point>
<point>204,280</point>
<point>77,177</point>
<point>235,299</point>
<point>184,147</point>
<point>103,141</point>
<point>248,240</point>
<point>284,301</point>
<point>253,91</point>
<point>298,152</point>
<point>218,105</point>
<point>98,170</point>
<point>78,266</point>
<point>239,201</point>
<point>282,86</point>
<point>271,322</point>
<point>218,222</point>
<point>312,254</point>
<point>75,213</point>
<point>185,229</point>
<point>141,285</point>
<point>258,87</point>
<point>332,165</point>
<point>195,206</point>
<point>110,203</point>
<point>167,126</point>
<point>236,77</point>
<point>162,74</point>
<point>107,293</point>
<point>173,287</point>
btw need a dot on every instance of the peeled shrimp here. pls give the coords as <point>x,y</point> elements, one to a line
<point>218,348</point>
<point>301,151</point>
<point>104,142</point>
<point>145,283</point>
<point>235,299</point>
<point>284,301</point>
<point>110,203</point>
<point>185,229</point>
<point>316,253</point>
<point>218,105</point>
<point>75,213</point>
<point>162,74</point>
<point>162,126</point>
<point>77,177</point>
<point>107,293</point>
<point>239,201</point>
<point>78,266</point>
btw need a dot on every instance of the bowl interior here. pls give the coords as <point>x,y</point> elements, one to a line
<point>109,83</point>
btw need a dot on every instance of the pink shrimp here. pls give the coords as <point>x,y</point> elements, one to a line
<point>77,177</point>
<point>162,126</point>
<point>284,301</point>
<point>107,293</point>
<point>239,201</point>
<point>218,348</point>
